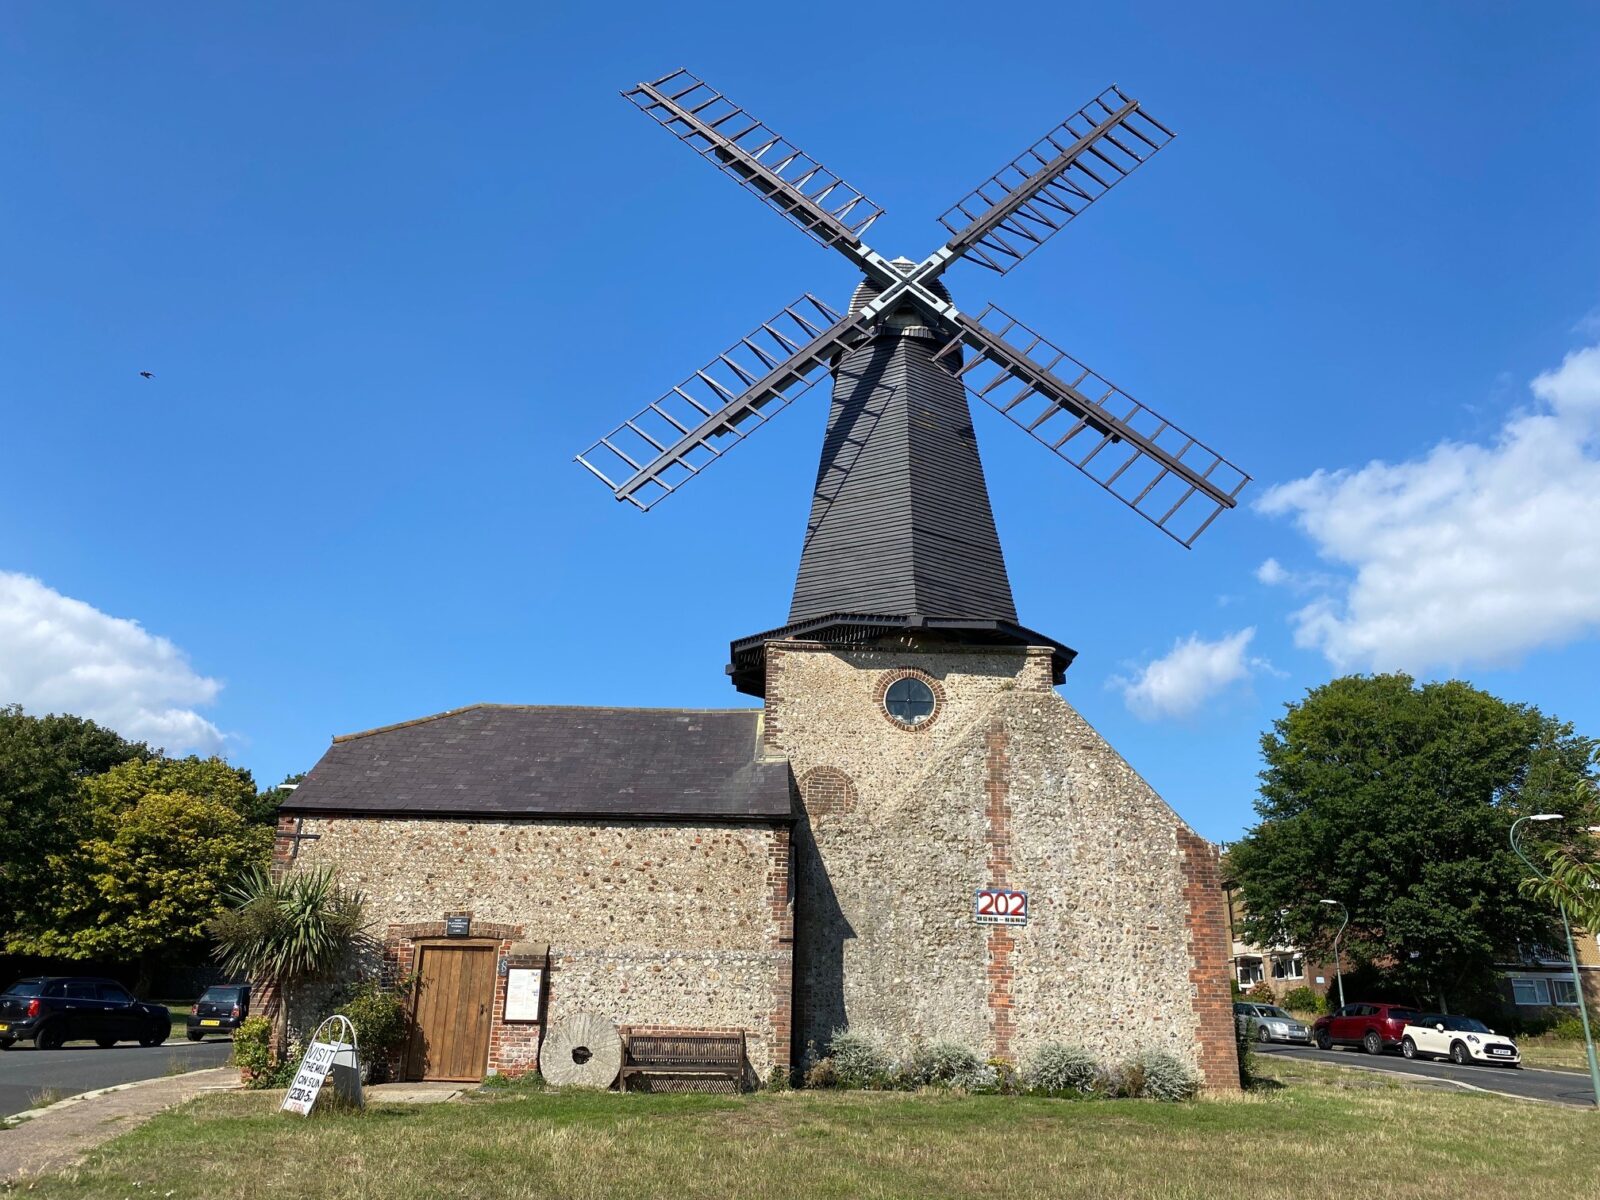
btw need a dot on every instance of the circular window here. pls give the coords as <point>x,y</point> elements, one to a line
<point>909,701</point>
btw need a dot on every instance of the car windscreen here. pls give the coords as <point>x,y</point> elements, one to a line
<point>23,987</point>
<point>222,995</point>
<point>1464,1024</point>
<point>1272,1010</point>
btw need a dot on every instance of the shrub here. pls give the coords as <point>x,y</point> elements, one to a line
<point>252,1050</point>
<point>947,1064</point>
<point>859,1061</point>
<point>1302,999</point>
<point>1157,1075</point>
<point>1567,1029</point>
<point>379,1016</point>
<point>779,1079</point>
<point>821,1074</point>
<point>1057,1070</point>
<point>1262,993</point>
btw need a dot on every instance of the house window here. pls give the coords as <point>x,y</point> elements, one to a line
<point>1288,966</point>
<point>1565,992</point>
<point>1535,992</point>
<point>1249,972</point>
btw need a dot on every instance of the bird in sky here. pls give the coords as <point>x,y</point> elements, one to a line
<point>147,374</point>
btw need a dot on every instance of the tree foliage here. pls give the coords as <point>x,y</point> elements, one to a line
<point>1397,799</point>
<point>1570,875</point>
<point>139,855</point>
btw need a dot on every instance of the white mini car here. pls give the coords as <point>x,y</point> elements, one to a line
<point>1460,1039</point>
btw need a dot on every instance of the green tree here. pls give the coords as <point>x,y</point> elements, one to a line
<point>43,764</point>
<point>1396,799</point>
<point>287,931</point>
<point>146,853</point>
<point>1571,874</point>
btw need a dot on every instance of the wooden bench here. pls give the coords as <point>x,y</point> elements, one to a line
<point>685,1061</point>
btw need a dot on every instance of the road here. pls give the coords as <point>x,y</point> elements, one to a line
<point>1531,1083</point>
<point>27,1074</point>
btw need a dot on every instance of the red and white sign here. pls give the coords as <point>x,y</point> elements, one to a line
<point>1000,906</point>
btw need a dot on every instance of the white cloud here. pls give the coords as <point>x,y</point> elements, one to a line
<point>1469,552</point>
<point>58,654</point>
<point>1192,672</point>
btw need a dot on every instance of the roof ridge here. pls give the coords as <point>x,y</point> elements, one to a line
<point>466,708</point>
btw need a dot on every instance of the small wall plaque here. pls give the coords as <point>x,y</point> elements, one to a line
<point>458,927</point>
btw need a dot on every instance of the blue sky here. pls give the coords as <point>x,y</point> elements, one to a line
<point>392,265</point>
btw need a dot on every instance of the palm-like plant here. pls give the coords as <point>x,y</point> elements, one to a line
<point>286,931</point>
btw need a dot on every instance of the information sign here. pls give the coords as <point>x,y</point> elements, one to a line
<point>337,1060</point>
<point>523,985</point>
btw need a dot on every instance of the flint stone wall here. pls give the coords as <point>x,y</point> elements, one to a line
<point>1005,778</point>
<point>649,923</point>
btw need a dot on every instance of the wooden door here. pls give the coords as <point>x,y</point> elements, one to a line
<point>455,992</point>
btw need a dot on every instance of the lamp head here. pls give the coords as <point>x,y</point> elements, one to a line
<point>1546,816</point>
<point>1334,902</point>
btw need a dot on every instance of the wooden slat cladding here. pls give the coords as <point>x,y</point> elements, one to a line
<point>900,517</point>
<point>455,992</point>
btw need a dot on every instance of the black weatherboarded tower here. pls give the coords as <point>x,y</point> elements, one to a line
<point>901,535</point>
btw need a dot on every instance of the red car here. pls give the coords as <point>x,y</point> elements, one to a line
<point>1373,1027</point>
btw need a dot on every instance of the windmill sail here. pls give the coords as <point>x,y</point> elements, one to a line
<point>1013,212</point>
<point>1165,475</point>
<point>782,174</point>
<point>672,439</point>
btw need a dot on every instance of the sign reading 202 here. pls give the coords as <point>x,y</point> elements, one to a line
<point>1000,906</point>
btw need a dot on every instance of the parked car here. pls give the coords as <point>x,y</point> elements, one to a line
<point>1461,1039</point>
<point>1269,1023</point>
<point>1374,1027</point>
<point>219,1010</point>
<point>55,1009</point>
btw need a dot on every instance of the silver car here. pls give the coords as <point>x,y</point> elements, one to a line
<point>1269,1023</point>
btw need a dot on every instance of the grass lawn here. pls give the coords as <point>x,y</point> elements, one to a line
<point>1547,1052</point>
<point>1319,1129</point>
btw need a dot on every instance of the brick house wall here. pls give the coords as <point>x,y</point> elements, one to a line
<point>647,922</point>
<point>1005,785</point>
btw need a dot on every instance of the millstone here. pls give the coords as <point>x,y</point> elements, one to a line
<point>582,1050</point>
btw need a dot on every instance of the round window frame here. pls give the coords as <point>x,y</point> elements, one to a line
<point>881,697</point>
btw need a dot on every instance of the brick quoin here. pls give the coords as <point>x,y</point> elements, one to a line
<point>997,847</point>
<point>780,885</point>
<point>1209,952</point>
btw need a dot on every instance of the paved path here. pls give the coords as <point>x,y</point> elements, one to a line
<point>62,1134</point>
<point>1530,1083</point>
<point>27,1074</point>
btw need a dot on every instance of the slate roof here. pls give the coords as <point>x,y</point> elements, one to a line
<point>512,760</point>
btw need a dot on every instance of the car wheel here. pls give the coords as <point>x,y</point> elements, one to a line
<point>155,1037</point>
<point>1262,1035</point>
<point>1324,1042</point>
<point>1459,1055</point>
<point>51,1037</point>
<point>105,1043</point>
<point>194,1035</point>
<point>7,1043</point>
<point>1408,1047</point>
<point>1372,1043</point>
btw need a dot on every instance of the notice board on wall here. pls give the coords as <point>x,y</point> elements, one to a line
<point>523,988</point>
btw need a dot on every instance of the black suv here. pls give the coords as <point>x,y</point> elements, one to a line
<point>220,1009</point>
<point>55,1009</point>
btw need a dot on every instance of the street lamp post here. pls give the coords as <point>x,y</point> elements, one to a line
<point>1338,968</point>
<point>1572,953</point>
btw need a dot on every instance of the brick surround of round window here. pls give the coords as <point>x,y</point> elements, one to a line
<point>880,690</point>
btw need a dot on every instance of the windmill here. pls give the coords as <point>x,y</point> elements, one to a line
<point>901,535</point>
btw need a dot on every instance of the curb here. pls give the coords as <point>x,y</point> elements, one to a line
<point>69,1101</point>
<point>1425,1080</point>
